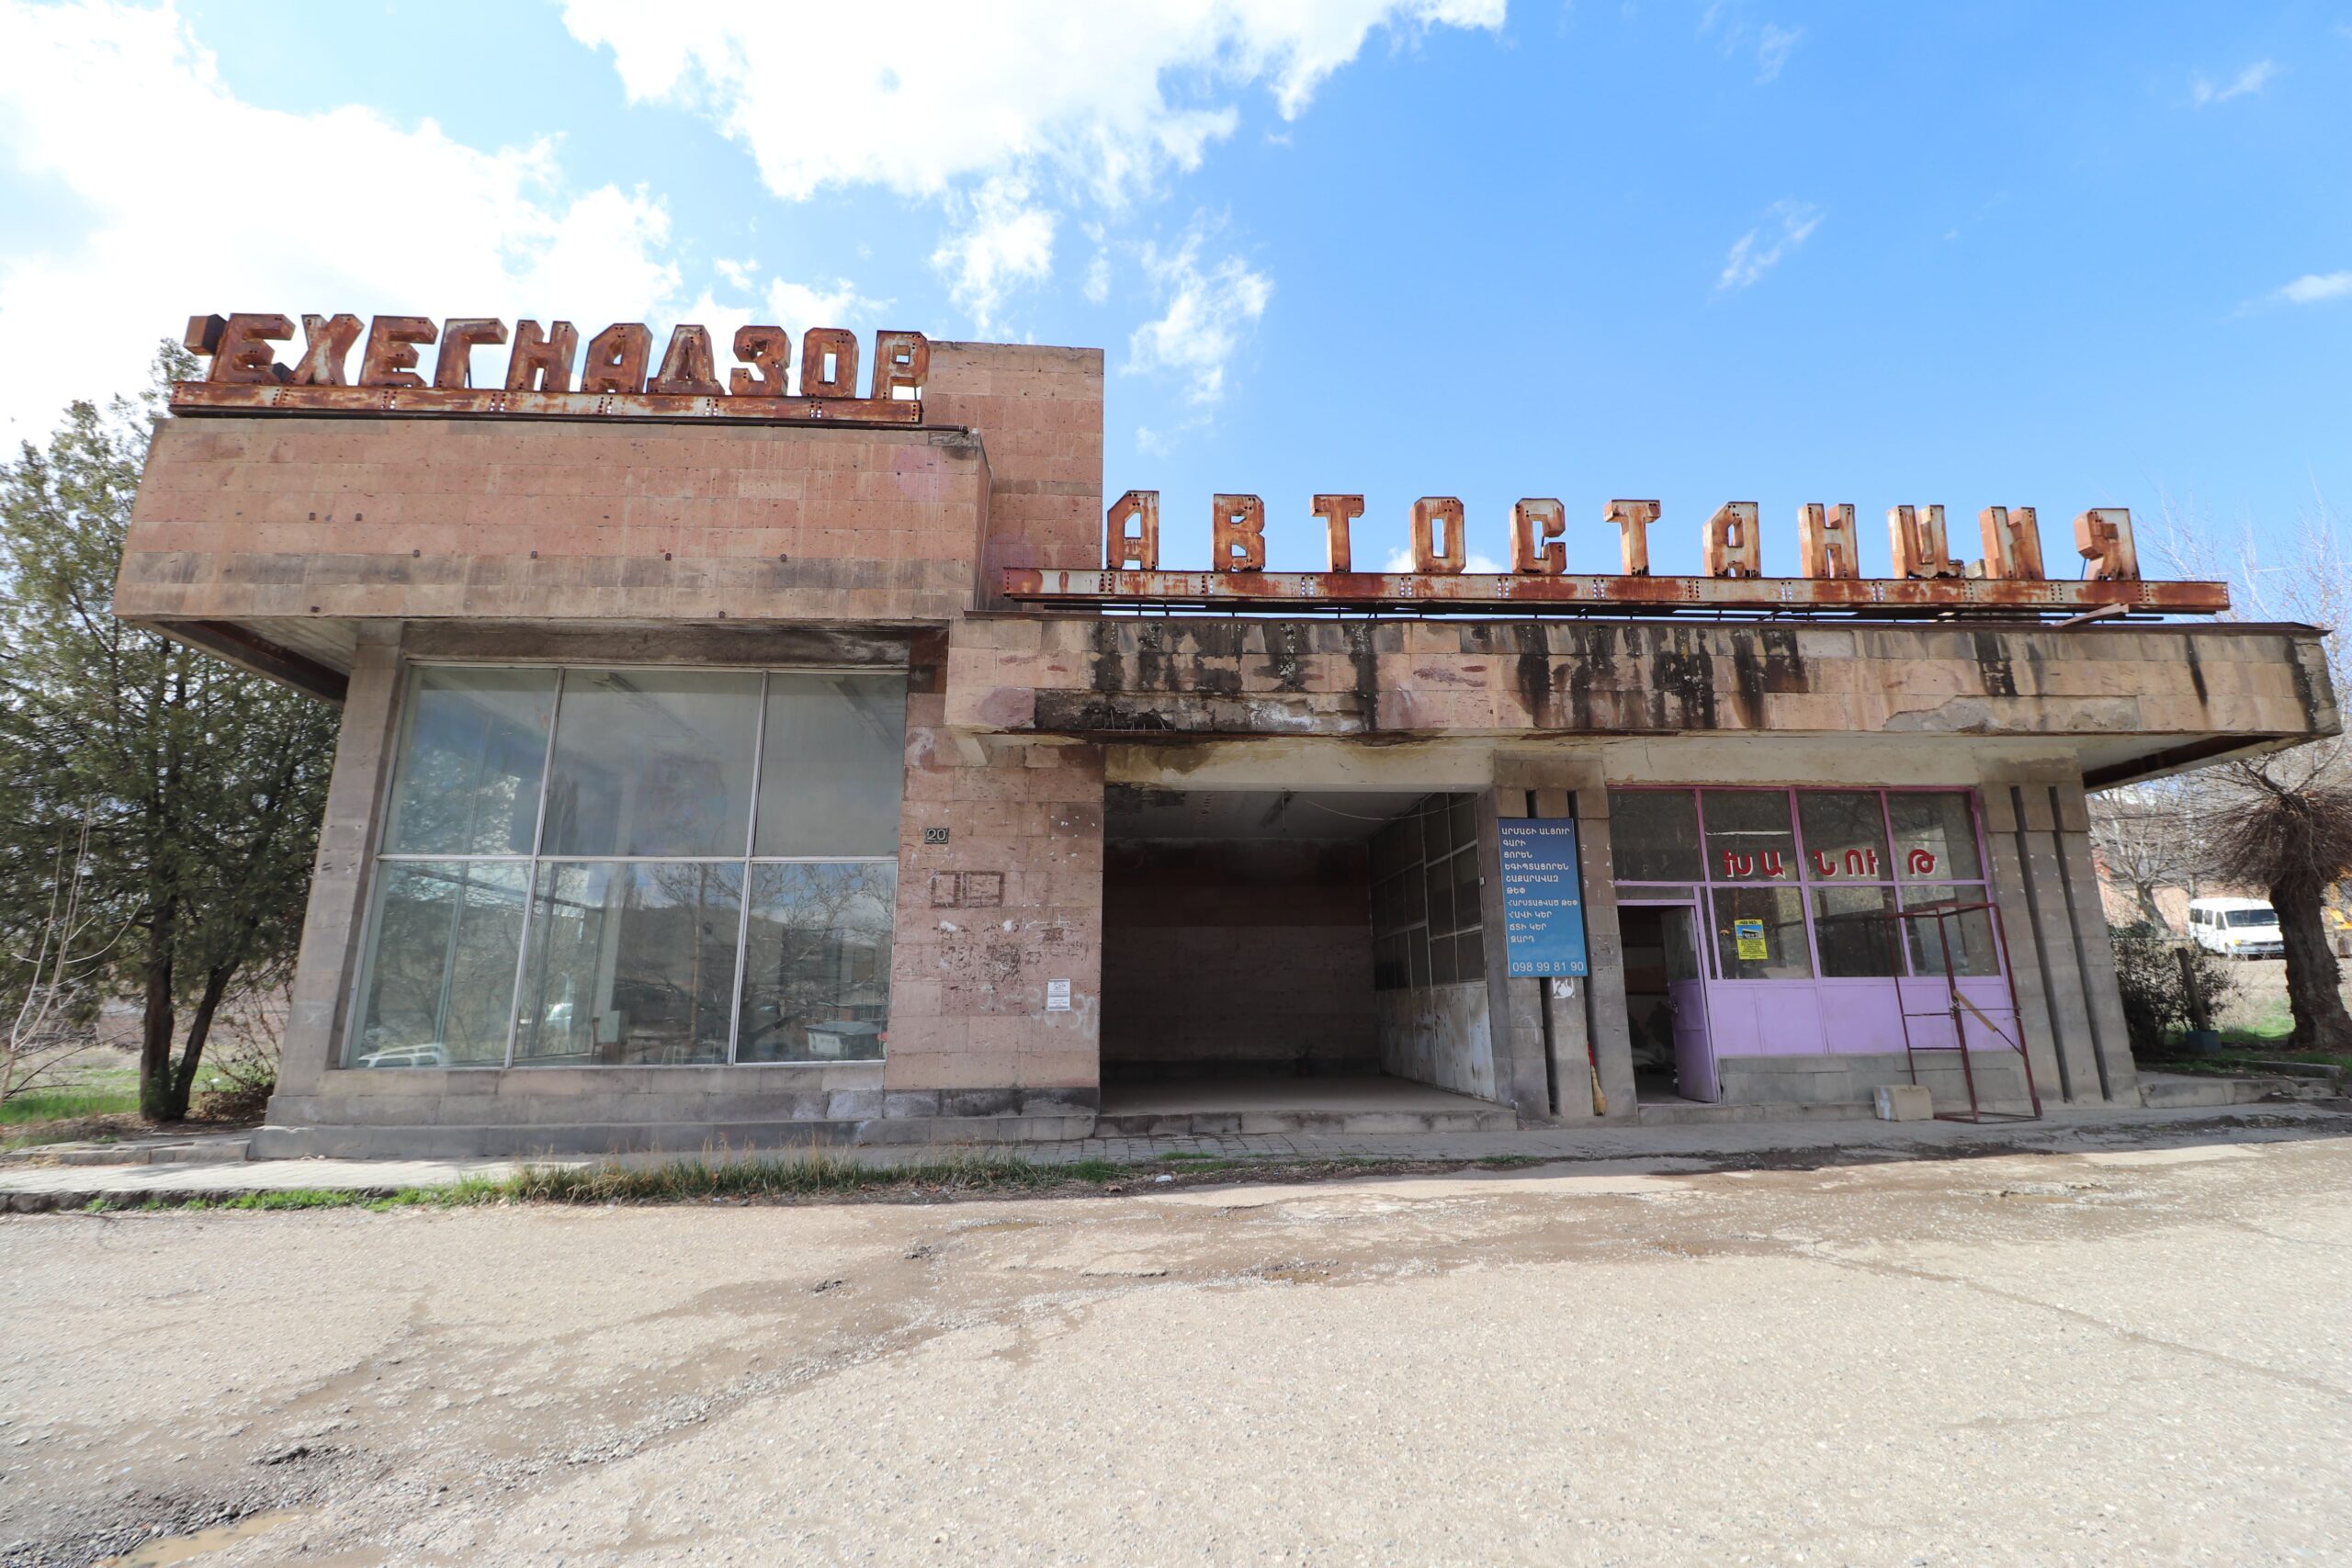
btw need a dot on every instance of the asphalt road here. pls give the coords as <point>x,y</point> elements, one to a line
<point>2120,1357</point>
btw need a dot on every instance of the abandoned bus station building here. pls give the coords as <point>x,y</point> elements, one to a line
<point>732,758</point>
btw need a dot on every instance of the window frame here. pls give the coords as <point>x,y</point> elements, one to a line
<point>530,864</point>
<point>1701,893</point>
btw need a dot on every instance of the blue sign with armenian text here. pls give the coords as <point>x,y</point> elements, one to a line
<point>1543,901</point>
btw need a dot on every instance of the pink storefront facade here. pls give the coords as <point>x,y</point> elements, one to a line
<point>1839,922</point>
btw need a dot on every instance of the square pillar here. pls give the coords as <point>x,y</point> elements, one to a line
<point>2110,1037</point>
<point>332,924</point>
<point>1589,1040</point>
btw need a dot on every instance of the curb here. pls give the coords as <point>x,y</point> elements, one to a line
<point>118,1199</point>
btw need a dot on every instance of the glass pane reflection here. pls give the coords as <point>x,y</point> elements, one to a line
<point>1968,932</point>
<point>832,764</point>
<point>630,965</point>
<point>1653,835</point>
<point>1748,835</point>
<point>1759,934</point>
<point>817,963</point>
<point>441,975</point>
<point>1855,929</point>
<point>475,744</point>
<point>1935,836</point>
<point>653,763</point>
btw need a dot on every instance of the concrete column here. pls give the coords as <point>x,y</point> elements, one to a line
<point>2026,960</point>
<point>1514,1015</point>
<point>2055,929</point>
<point>339,881</point>
<point>1610,1031</point>
<point>1566,1025</point>
<point>2118,1079</point>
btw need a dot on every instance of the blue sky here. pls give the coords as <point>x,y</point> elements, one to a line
<point>2024,255</point>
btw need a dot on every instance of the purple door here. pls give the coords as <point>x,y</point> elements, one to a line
<point>1686,988</point>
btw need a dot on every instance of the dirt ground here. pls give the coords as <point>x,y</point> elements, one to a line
<point>2126,1357</point>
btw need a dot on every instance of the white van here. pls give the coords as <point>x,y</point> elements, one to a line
<point>2238,928</point>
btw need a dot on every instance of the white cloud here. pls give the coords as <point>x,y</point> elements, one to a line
<point>1401,560</point>
<point>922,95</point>
<point>189,201</point>
<point>1007,241</point>
<point>2252,79</point>
<point>797,306</point>
<point>1014,119</point>
<point>1772,50</point>
<point>2314,287</point>
<point>1206,313</point>
<point>1725,21</point>
<point>1787,225</point>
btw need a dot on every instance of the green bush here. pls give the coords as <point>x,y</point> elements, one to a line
<point>2155,996</point>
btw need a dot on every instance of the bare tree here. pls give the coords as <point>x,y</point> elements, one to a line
<point>2283,820</point>
<point>2148,838</point>
<point>58,962</point>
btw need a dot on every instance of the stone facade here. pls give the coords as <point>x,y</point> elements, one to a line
<point>338,552</point>
<point>1089,676</point>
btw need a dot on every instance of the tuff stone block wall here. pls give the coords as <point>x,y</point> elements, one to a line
<point>1224,957</point>
<point>280,518</point>
<point>1040,411</point>
<point>999,893</point>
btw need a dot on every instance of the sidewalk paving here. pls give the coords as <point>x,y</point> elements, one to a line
<point>33,1187</point>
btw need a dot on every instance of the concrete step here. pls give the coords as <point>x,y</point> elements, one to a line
<point>2175,1091</point>
<point>193,1151</point>
<point>1655,1113</point>
<point>1276,1122</point>
<point>2322,1071</point>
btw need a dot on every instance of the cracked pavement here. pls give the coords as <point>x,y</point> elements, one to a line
<point>2130,1355</point>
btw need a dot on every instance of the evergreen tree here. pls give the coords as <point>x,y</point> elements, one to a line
<point>201,785</point>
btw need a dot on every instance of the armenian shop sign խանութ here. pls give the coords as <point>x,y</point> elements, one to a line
<point>547,372</point>
<point>1925,576</point>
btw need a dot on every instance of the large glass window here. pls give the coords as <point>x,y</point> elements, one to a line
<point>440,981</point>
<point>575,861</point>
<point>1852,854</point>
<point>1852,928</point>
<point>817,981</point>
<point>1748,835</point>
<point>1845,834</point>
<point>1966,931</point>
<point>653,763</point>
<point>830,765</point>
<point>473,748</point>
<point>631,964</point>
<point>1759,934</point>
<point>1935,836</point>
<point>1653,835</point>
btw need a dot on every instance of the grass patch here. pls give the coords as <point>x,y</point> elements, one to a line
<point>70,1103</point>
<point>818,1172</point>
<point>810,1174</point>
<point>2257,1063</point>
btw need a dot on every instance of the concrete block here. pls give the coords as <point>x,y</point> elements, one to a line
<point>854,1104</point>
<point>1903,1102</point>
